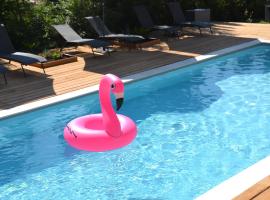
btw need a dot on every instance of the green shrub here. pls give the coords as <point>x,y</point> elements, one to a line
<point>44,15</point>
<point>52,54</point>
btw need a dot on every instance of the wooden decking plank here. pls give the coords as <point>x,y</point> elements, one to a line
<point>260,191</point>
<point>58,88</point>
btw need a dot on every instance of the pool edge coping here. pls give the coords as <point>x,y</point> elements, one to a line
<point>239,183</point>
<point>131,78</point>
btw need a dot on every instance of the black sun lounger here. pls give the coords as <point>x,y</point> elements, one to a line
<point>104,33</point>
<point>146,21</point>
<point>179,18</point>
<point>3,71</point>
<point>8,52</point>
<point>74,38</point>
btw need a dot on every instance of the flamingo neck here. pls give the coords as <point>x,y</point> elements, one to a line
<point>110,119</point>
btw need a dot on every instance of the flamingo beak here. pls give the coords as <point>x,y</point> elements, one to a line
<point>119,103</point>
<point>119,100</point>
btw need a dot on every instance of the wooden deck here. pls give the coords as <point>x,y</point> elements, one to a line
<point>260,191</point>
<point>87,71</point>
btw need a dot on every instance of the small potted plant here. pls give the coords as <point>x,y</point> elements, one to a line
<point>53,54</point>
<point>55,57</point>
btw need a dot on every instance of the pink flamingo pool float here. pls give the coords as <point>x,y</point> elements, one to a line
<point>107,130</point>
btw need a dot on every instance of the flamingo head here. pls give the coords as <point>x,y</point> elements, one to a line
<point>117,88</point>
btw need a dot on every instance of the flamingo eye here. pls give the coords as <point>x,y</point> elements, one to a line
<point>112,86</point>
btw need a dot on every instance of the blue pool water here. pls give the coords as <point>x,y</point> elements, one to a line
<point>197,127</point>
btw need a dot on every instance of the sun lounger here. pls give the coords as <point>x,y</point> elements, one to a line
<point>8,52</point>
<point>146,21</point>
<point>74,38</point>
<point>104,33</point>
<point>3,71</point>
<point>179,18</point>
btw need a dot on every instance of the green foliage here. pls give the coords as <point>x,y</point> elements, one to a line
<point>29,25</point>
<point>52,54</point>
<point>44,15</point>
<point>81,9</point>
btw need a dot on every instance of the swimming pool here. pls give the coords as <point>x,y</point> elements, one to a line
<point>197,127</point>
